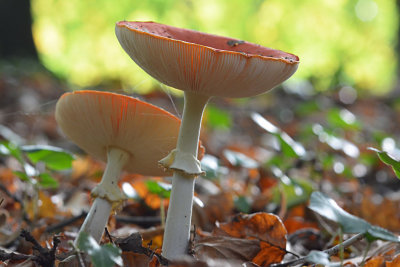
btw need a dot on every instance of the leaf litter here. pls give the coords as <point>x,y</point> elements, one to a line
<point>251,166</point>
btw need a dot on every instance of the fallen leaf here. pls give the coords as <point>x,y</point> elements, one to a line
<point>84,167</point>
<point>226,247</point>
<point>134,259</point>
<point>45,209</point>
<point>216,208</point>
<point>374,262</point>
<point>294,224</point>
<point>267,228</point>
<point>395,262</point>
<point>209,262</point>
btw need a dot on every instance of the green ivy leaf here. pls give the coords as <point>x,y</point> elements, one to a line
<point>388,159</point>
<point>288,146</point>
<point>102,256</point>
<point>10,149</point>
<point>47,181</point>
<point>296,191</point>
<point>381,233</point>
<point>210,165</point>
<point>242,204</point>
<point>161,189</point>
<point>307,108</point>
<point>329,209</point>
<point>23,176</point>
<point>238,159</point>
<point>343,119</point>
<point>218,118</point>
<point>55,158</point>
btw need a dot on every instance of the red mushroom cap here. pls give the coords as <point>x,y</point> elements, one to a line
<point>204,63</point>
<point>96,121</point>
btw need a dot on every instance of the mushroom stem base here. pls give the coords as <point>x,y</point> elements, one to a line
<point>186,167</point>
<point>107,193</point>
<point>97,219</point>
<point>177,235</point>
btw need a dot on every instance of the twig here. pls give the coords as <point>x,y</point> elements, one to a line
<point>334,250</point>
<point>121,219</point>
<point>138,219</point>
<point>52,252</point>
<point>341,247</point>
<point>46,257</point>
<point>275,246</point>
<point>331,251</point>
<point>36,246</point>
<point>18,200</point>
<point>133,243</point>
<point>4,256</point>
<point>365,254</point>
<point>77,255</point>
<point>108,235</point>
<point>62,224</point>
<point>9,194</point>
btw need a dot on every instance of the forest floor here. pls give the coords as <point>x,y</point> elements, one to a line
<point>276,165</point>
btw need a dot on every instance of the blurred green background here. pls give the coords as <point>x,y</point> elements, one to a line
<point>350,42</point>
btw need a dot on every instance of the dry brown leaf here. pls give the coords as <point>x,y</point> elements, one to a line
<point>395,262</point>
<point>191,262</point>
<point>226,247</point>
<point>265,227</point>
<point>4,215</point>
<point>85,166</point>
<point>134,259</point>
<point>216,208</point>
<point>46,208</point>
<point>294,224</point>
<point>376,261</point>
<point>268,254</point>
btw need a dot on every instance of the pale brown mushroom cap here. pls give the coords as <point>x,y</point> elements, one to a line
<point>204,63</point>
<point>96,121</point>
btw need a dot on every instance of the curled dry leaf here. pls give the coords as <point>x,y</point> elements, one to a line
<point>46,208</point>
<point>226,247</point>
<point>267,228</point>
<point>395,262</point>
<point>376,261</point>
<point>216,208</point>
<point>210,262</point>
<point>4,215</point>
<point>134,259</point>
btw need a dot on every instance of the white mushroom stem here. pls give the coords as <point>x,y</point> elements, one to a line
<point>107,194</point>
<point>177,228</point>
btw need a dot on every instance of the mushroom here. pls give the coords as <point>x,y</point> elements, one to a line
<point>123,131</point>
<point>202,65</point>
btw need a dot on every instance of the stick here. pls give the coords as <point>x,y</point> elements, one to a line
<point>134,243</point>
<point>4,256</point>
<point>62,224</point>
<point>46,257</point>
<point>18,200</point>
<point>332,251</point>
<point>121,219</point>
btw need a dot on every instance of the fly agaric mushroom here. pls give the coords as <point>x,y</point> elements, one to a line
<point>202,65</point>
<point>123,131</point>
